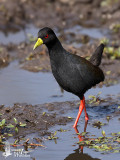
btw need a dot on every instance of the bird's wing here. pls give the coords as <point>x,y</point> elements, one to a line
<point>97,55</point>
<point>90,74</point>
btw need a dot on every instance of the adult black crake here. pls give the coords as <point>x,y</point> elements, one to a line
<point>73,73</point>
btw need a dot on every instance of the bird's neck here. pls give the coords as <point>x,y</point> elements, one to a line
<point>55,47</point>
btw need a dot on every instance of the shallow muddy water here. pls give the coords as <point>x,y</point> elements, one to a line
<point>18,85</point>
<point>66,147</point>
<point>92,32</point>
<point>22,35</point>
<point>18,37</point>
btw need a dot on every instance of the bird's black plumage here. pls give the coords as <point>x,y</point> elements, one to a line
<point>73,73</point>
<point>97,55</point>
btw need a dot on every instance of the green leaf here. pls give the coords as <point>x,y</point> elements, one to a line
<point>83,133</point>
<point>103,133</point>
<point>16,141</point>
<point>3,122</point>
<point>63,130</point>
<point>69,117</point>
<point>55,133</point>
<point>16,129</point>
<point>22,125</point>
<point>108,72</point>
<point>44,113</point>
<point>116,151</point>
<point>99,93</point>
<point>108,118</point>
<point>10,135</point>
<point>114,134</point>
<point>118,107</point>
<point>15,120</point>
<point>91,96</point>
<point>10,126</point>
<point>49,138</point>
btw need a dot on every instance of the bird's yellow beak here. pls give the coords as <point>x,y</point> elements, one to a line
<point>38,43</point>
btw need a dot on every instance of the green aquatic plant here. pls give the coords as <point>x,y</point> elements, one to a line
<point>98,124</point>
<point>53,136</point>
<point>112,53</point>
<point>103,144</point>
<point>94,99</point>
<point>105,41</point>
<point>105,3</point>
<point>7,130</point>
<point>31,38</point>
<point>116,28</point>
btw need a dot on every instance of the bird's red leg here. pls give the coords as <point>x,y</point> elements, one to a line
<point>80,138</point>
<point>86,115</point>
<point>79,112</point>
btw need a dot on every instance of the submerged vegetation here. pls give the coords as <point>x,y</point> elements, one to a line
<point>103,144</point>
<point>112,52</point>
<point>7,130</point>
<point>105,3</point>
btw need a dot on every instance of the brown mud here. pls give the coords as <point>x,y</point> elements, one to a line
<point>39,118</point>
<point>61,13</point>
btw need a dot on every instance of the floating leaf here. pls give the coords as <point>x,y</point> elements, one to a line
<point>63,130</point>
<point>116,151</point>
<point>10,135</point>
<point>118,107</point>
<point>108,72</point>
<point>108,118</point>
<point>22,125</point>
<point>83,133</point>
<point>69,117</point>
<point>44,113</point>
<point>103,133</point>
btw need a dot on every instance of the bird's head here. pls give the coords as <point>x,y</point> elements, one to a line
<point>45,36</point>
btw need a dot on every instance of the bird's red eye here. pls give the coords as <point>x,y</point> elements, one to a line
<point>46,36</point>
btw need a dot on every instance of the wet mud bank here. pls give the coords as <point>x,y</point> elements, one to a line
<point>40,118</point>
<point>61,13</point>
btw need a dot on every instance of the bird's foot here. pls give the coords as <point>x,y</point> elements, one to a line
<point>86,117</point>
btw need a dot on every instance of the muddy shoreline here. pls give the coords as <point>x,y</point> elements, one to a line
<point>40,118</point>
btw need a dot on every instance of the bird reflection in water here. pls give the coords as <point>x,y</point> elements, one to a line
<point>81,138</point>
<point>79,155</point>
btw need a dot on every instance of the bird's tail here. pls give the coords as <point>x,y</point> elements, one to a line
<point>97,55</point>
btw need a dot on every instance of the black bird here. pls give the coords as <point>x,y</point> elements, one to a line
<point>73,73</point>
